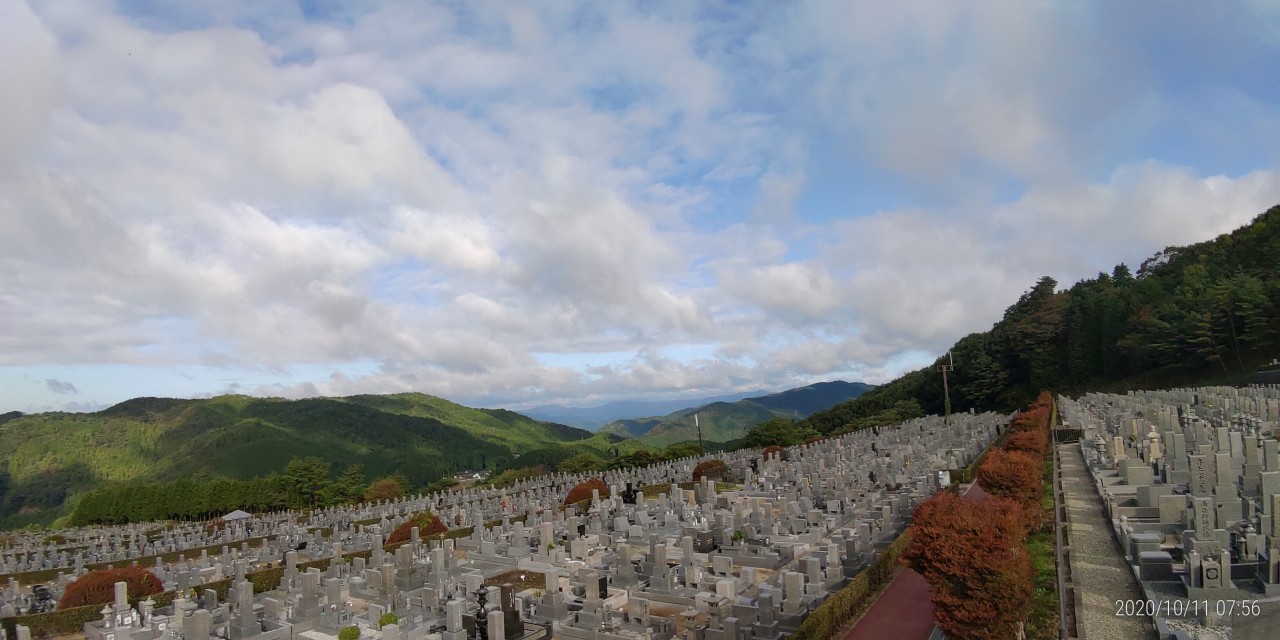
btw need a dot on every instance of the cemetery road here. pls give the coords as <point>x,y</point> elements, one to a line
<point>1100,574</point>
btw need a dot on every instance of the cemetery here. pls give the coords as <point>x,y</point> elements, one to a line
<point>746,551</point>
<point>1190,481</point>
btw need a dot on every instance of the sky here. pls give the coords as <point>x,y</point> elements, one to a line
<point>511,204</point>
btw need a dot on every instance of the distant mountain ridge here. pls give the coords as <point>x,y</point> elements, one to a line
<point>46,459</point>
<point>725,421</point>
<point>592,418</point>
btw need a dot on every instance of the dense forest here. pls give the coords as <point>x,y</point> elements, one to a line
<point>1208,312</point>
<point>304,483</point>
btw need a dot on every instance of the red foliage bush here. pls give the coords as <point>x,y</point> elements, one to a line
<point>714,469</point>
<point>1045,399</point>
<point>98,587</point>
<point>583,491</point>
<point>1012,474</point>
<point>970,552</point>
<point>772,451</point>
<point>426,522</point>
<point>1034,442</point>
<point>1034,418</point>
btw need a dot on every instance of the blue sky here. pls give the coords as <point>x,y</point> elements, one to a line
<point>576,202</point>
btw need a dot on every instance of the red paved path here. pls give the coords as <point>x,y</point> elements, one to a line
<point>904,610</point>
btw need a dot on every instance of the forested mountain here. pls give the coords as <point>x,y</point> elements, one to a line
<point>811,399</point>
<point>45,459</point>
<point>1201,313</point>
<point>592,418</point>
<point>726,421</point>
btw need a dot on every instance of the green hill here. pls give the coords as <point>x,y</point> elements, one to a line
<point>720,422</point>
<point>726,421</point>
<point>1204,313</point>
<point>804,401</point>
<point>49,458</point>
<point>499,426</point>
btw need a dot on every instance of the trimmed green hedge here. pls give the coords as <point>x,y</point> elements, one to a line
<point>852,601</point>
<point>60,622</point>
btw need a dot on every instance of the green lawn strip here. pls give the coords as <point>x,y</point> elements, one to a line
<point>1043,622</point>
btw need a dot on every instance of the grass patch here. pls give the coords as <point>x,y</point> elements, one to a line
<point>1044,620</point>
<point>1043,623</point>
<point>532,579</point>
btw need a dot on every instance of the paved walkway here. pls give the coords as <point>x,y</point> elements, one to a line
<point>1099,572</point>
<point>904,611</point>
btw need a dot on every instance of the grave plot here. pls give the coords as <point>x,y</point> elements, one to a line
<point>1190,480</point>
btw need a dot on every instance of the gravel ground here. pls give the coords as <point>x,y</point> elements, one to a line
<point>1217,633</point>
<point>1098,570</point>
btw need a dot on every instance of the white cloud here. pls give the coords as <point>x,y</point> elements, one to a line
<point>1143,207</point>
<point>450,240</point>
<point>448,192</point>
<point>805,290</point>
<point>31,72</point>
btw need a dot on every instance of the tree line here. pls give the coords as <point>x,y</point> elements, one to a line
<point>304,483</point>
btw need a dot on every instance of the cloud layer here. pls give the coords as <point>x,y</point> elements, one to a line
<point>580,201</point>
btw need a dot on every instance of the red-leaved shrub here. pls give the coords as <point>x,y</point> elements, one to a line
<point>426,522</point>
<point>714,469</point>
<point>98,587</point>
<point>583,491</point>
<point>971,553</point>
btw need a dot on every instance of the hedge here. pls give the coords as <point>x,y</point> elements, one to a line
<point>852,601</point>
<point>59,622</point>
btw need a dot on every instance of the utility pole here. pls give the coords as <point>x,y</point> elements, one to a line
<point>701,448</point>
<point>946,390</point>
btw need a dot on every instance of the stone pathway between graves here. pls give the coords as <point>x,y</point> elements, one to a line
<point>1098,571</point>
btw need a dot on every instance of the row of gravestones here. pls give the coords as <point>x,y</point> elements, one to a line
<point>1191,479</point>
<point>114,545</point>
